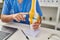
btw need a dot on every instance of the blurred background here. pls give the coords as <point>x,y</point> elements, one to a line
<point>51,13</point>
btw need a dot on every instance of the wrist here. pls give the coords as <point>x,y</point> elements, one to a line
<point>11,17</point>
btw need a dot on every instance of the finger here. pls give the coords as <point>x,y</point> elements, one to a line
<point>35,27</point>
<point>21,16</point>
<point>16,19</point>
<point>37,23</point>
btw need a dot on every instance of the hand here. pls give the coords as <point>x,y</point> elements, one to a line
<point>36,25</point>
<point>18,17</point>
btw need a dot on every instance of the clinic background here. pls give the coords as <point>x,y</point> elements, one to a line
<point>51,13</point>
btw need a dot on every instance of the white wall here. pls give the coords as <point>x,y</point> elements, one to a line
<point>1,1</point>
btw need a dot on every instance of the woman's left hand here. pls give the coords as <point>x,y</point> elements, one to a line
<point>36,25</point>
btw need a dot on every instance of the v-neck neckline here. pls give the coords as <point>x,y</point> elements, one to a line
<point>21,2</point>
<point>23,5</point>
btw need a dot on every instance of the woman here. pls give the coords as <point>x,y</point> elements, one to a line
<point>13,10</point>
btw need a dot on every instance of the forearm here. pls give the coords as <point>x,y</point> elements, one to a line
<point>6,18</point>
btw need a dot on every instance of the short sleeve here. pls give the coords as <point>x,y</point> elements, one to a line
<point>6,7</point>
<point>38,9</point>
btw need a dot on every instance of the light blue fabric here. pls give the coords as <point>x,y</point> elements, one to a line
<point>13,7</point>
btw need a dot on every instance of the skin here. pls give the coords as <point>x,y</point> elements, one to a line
<point>36,24</point>
<point>18,17</point>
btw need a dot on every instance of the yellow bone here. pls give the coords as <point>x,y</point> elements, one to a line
<point>32,11</point>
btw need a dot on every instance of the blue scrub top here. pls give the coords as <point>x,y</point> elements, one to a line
<point>13,7</point>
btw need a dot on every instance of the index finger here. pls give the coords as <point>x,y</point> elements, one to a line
<point>23,13</point>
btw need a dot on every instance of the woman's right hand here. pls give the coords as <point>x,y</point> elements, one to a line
<point>18,17</point>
